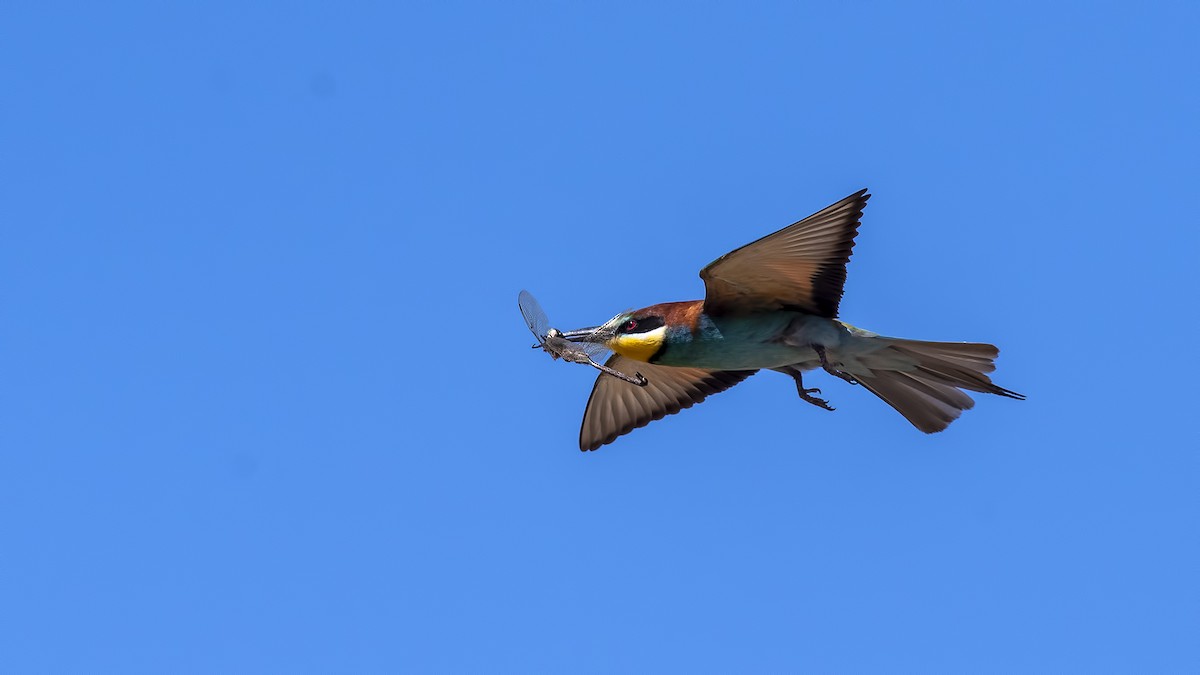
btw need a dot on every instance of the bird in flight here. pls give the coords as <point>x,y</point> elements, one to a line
<point>773,305</point>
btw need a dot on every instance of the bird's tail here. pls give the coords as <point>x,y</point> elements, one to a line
<point>923,380</point>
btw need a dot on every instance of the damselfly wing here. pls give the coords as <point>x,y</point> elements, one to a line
<point>579,349</point>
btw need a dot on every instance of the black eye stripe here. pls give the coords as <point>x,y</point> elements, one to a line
<point>642,325</point>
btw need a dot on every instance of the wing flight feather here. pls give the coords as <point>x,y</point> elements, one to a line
<point>616,408</point>
<point>801,267</point>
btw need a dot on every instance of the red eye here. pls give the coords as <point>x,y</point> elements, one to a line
<point>630,324</point>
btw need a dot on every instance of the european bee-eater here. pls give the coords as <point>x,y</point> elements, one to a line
<point>773,304</point>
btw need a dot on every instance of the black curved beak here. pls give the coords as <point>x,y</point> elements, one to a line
<point>593,334</point>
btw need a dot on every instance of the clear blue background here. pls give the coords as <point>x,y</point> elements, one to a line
<point>268,405</point>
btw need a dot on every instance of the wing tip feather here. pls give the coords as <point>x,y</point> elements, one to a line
<point>690,393</point>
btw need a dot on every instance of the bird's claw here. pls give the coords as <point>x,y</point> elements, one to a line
<point>828,367</point>
<point>806,392</point>
<point>845,376</point>
<point>819,402</point>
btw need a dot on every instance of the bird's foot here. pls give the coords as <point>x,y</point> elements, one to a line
<point>837,373</point>
<point>828,367</point>
<point>806,394</point>
<point>819,402</point>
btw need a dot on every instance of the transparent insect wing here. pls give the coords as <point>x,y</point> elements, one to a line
<point>594,349</point>
<point>535,318</point>
<point>551,339</point>
<point>566,347</point>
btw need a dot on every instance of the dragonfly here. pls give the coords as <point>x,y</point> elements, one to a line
<point>559,345</point>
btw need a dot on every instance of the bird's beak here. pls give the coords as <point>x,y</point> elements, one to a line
<point>594,334</point>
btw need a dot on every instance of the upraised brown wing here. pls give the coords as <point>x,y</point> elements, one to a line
<point>616,408</point>
<point>801,267</point>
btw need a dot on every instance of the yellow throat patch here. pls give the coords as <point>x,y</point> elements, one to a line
<point>639,346</point>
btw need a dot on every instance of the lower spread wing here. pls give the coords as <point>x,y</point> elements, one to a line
<point>802,266</point>
<point>616,408</point>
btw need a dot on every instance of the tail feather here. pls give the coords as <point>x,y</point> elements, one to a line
<point>974,355</point>
<point>922,380</point>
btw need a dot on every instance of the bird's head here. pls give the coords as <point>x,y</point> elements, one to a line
<point>637,335</point>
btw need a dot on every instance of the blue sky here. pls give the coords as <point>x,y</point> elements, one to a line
<point>268,404</point>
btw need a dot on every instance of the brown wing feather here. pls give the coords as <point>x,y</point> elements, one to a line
<point>801,267</point>
<point>616,408</point>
